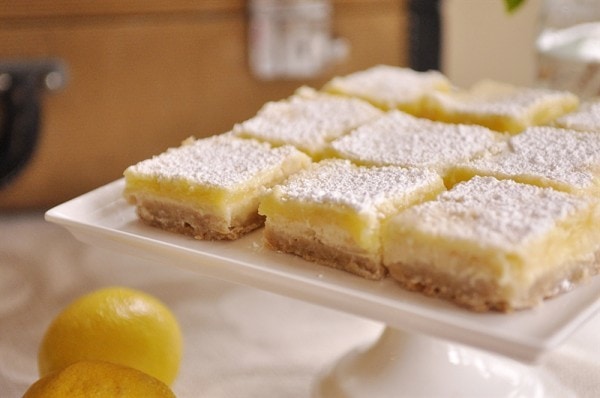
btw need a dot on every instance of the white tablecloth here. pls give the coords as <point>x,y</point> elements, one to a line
<point>239,341</point>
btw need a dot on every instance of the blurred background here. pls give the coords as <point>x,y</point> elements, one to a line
<point>89,88</point>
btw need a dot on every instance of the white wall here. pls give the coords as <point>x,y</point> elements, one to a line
<point>481,40</point>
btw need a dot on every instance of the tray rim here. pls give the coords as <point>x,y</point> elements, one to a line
<point>88,217</point>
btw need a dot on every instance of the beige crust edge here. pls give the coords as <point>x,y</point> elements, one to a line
<point>488,296</point>
<point>311,249</point>
<point>184,219</point>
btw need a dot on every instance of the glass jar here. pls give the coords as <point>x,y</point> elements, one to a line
<point>568,46</point>
<point>291,39</point>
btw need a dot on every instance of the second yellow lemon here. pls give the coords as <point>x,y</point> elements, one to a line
<point>98,379</point>
<point>118,325</point>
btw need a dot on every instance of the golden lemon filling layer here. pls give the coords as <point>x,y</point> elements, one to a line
<point>498,236</point>
<point>182,190</point>
<point>500,106</point>
<point>343,226</point>
<point>219,202</point>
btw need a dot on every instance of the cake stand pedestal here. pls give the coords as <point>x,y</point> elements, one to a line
<point>401,364</point>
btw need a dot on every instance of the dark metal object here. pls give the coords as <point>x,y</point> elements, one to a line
<point>21,85</point>
<point>424,34</point>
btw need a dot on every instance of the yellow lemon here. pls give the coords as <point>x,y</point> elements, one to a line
<point>118,325</point>
<point>100,380</point>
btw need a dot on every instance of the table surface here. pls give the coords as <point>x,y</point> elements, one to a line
<point>239,341</point>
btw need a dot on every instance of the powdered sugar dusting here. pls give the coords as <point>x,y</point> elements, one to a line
<point>563,156</point>
<point>497,213</point>
<point>586,118</point>
<point>339,182</point>
<point>307,122</point>
<point>221,161</point>
<point>403,140</point>
<point>388,85</point>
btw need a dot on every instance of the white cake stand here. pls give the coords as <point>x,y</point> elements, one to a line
<point>402,364</point>
<point>429,348</point>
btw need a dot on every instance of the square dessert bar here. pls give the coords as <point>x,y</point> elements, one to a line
<point>499,106</point>
<point>209,188</point>
<point>491,244</point>
<point>390,87</point>
<point>585,118</point>
<point>400,139</point>
<point>332,212</point>
<point>565,160</point>
<point>308,120</point>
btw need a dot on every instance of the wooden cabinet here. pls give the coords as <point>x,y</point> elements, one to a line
<point>144,75</point>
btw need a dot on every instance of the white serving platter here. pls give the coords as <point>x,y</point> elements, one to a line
<point>103,218</point>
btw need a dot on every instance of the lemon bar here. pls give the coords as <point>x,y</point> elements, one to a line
<point>499,106</point>
<point>491,244</point>
<point>585,118</point>
<point>209,188</point>
<point>400,139</point>
<point>308,120</point>
<point>565,160</point>
<point>390,87</point>
<point>331,213</point>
